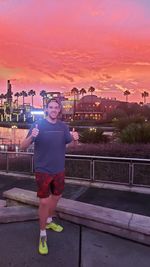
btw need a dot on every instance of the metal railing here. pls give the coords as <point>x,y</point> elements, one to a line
<point>127,171</point>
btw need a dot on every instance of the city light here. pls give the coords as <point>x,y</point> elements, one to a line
<point>37,112</point>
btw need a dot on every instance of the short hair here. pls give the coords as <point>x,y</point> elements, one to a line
<point>53,100</point>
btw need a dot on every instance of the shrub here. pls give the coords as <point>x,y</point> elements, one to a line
<point>92,135</point>
<point>136,133</point>
<point>111,150</point>
<point>124,122</point>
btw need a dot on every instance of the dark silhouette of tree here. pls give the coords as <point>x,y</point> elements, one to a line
<point>75,92</point>
<point>126,94</point>
<point>91,90</point>
<point>2,97</point>
<point>23,94</point>
<point>144,96</point>
<point>17,94</point>
<point>82,92</point>
<point>43,95</point>
<point>32,94</point>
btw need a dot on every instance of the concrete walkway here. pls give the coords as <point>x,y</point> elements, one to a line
<point>74,247</point>
<point>115,199</point>
<point>124,224</point>
<point>77,246</point>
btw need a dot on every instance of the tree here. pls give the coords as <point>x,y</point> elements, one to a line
<point>126,94</point>
<point>32,94</point>
<point>91,90</point>
<point>2,96</point>
<point>17,94</point>
<point>23,94</point>
<point>144,95</point>
<point>43,95</point>
<point>75,92</point>
<point>82,92</point>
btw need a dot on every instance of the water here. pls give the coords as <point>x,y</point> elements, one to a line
<point>12,135</point>
<point>10,138</point>
<point>16,136</point>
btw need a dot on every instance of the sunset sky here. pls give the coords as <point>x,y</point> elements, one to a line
<point>61,44</point>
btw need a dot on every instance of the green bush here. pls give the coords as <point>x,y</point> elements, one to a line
<point>124,122</point>
<point>136,133</point>
<point>92,135</point>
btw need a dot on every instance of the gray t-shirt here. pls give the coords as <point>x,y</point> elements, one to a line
<point>50,146</point>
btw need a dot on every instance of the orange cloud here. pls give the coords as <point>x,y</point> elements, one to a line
<point>53,44</point>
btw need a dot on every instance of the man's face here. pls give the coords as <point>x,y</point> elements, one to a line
<point>53,110</point>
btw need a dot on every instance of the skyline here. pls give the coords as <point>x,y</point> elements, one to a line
<point>61,45</point>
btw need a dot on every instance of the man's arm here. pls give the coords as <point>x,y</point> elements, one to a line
<point>29,139</point>
<point>26,142</point>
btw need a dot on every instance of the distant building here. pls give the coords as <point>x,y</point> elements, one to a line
<point>67,109</point>
<point>57,95</point>
<point>91,107</point>
<point>54,94</point>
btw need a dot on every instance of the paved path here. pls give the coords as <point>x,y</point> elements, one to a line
<point>115,199</point>
<point>76,246</point>
<point>19,242</point>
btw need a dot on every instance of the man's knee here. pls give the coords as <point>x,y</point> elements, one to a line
<point>44,201</point>
<point>56,197</point>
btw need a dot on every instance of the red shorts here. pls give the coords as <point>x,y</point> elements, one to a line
<point>49,184</point>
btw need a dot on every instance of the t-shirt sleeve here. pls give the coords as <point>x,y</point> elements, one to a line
<point>68,136</point>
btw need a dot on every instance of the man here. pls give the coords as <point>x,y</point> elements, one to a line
<point>50,137</point>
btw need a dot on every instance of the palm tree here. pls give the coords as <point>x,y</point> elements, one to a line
<point>144,95</point>
<point>141,103</point>
<point>126,94</point>
<point>91,90</point>
<point>2,96</point>
<point>17,94</point>
<point>82,92</point>
<point>32,94</point>
<point>43,95</point>
<point>75,92</point>
<point>23,94</point>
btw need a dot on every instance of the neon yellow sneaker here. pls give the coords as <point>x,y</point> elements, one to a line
<point>54,226</point>
<point>43,248</point>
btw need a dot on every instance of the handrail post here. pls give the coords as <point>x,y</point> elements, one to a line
<point>92,170</point>
<point>131,173</point>
<point>7,162</point>
<point>32,164</point>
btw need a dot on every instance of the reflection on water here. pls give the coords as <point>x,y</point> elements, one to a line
<point>12,135</point>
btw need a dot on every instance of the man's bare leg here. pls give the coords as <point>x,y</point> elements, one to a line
<point>52,207</point>
<point>52,204</point>
<point>43,211</point>
<point>43,215</point>
<point>47,208</point>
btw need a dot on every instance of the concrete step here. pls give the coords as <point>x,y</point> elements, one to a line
<point>21,195</point>
<point>2,203</point>
<point>17,214</point>
<point>124,224</point>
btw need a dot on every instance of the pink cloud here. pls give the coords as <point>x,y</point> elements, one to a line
<point>80,43</point>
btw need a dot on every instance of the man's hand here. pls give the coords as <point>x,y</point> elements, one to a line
<point>35,131</point>
<point>75,135</point>
<point>28,141</point>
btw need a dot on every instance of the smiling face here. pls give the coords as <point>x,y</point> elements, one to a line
<point>53,110</point>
